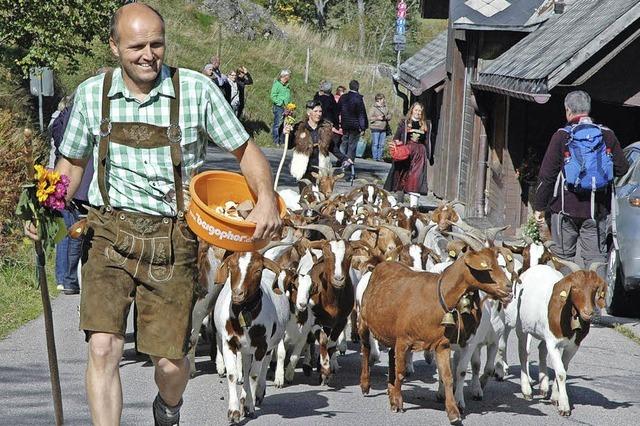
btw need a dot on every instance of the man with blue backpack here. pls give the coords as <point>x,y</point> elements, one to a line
<point>575,183</point>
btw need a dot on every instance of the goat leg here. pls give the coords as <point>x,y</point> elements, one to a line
<point>443,360</point>
<point>395,391</point>
<point>354,326</point>
<point>363,331</point>
<point>543,377</point>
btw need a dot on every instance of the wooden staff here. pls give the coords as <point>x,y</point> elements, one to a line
<point>46,304</point>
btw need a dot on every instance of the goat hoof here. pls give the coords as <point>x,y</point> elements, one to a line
<point>233,416</point>
<point>565,413</point>
<point>498,378</point>
<point>307,369</point>
<point>365,389</point>
<point>343,353</point>
<point>527,397</point>
<point>249,414</point>
<point>457,421</point>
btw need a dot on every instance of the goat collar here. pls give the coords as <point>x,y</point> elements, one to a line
<point>247,311</point>
<point>441,297</point>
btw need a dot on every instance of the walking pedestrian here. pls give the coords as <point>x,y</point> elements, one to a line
<point>280,97</point>
<point>337,130</point>
<point>579,215</point>
<point>353,120</point>
<point>410,175</point>
<point>141,120</point>
<point>379,124</point>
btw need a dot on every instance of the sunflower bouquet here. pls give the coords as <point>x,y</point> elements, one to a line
<point>289,113</point>
<point>42,201</point>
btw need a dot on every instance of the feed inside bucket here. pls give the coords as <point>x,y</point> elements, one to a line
<point>213,195</point>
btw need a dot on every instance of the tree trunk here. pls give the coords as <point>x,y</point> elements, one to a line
<point>361,27</point>
<point>320,6</point>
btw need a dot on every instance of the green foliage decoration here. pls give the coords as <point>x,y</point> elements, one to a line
<point>51,32</point>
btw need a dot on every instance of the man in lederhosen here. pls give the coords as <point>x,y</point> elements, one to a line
<point>147,126</point>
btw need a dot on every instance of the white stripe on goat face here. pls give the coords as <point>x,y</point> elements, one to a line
<point>243,266</point>
<point>370,191</point>
<point>339,216</point>
<point>415,252</point>
<point>338,248</point>
<point>306,263</point>
<point>304,292</point>
<point>535,253</point>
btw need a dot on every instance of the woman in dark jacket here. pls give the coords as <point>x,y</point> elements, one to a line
<point>242,79</point>
<point>410,175</point>
<point>311,140</point>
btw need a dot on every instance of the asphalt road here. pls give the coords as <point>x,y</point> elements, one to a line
<point>603,382</point>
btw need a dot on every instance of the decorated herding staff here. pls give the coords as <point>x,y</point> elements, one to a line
<point>288,119</point>
<point>41,203</point>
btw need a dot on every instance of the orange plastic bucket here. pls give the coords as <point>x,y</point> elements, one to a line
<point>215,188</point>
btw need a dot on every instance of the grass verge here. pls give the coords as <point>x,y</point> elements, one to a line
<point>627,333</point>
<point>20,299</point>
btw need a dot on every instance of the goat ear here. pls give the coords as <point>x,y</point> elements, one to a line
<point>276,283</point>
<point>222,273</point>
<point>477,261</point>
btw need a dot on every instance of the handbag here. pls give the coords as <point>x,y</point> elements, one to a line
<point>399,151</point>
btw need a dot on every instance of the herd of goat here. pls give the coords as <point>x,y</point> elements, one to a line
<point>405,279</point>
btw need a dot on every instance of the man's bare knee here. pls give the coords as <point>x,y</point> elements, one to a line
<point>105,347</point>
<point>169,367</point>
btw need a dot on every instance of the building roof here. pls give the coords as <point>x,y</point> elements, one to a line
<point>427,67</point>
<point>542,59</point>
<point>506,15</point>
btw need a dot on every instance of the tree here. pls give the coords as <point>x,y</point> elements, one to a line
<point>51,32</point>
<point>320,12</point>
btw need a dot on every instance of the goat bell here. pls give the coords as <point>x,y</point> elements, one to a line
<point>464,305</point>
<point>575,323</point>
<point>448,320</point>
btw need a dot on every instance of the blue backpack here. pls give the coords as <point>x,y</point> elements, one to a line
<point>588,166</point>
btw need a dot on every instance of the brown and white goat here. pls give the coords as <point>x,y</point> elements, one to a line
<point>404,310</point>
<point>331,291</point>
<point>557,311</point>
<point>250,318</point>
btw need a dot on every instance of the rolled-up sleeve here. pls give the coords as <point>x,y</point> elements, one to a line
<point>221,124</point>
<point>77,142</point>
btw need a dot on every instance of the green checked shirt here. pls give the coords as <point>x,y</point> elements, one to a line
<point>140,179</point>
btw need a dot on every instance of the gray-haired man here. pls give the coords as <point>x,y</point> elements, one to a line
<point>576,216</point>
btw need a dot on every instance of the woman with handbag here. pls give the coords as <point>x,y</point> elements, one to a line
<point>410,151</point>
<point>379,125</point>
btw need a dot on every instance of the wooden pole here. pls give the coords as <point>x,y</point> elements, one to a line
<point>48,326</point>
<point>219,49</point>
<point>306,66</point>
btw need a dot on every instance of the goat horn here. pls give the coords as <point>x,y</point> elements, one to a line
<point>527,239</point>
<point>492,233</point>
<point>273,244</point>
<point>595,265</point>
<point>325,230</point>
<point>423,233</point>
<point>454,203</point>
<point>573,267</point>
<point>468,229</point>
<point>549,244</point>
<point>306,181</point>
<point>403,234</point>
<point>470,240</point>
<point>353,227</point>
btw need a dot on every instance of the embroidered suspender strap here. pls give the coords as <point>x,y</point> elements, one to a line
<point>175,136</point>
<point>103,144</point>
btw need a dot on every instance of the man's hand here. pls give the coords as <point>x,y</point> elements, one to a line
<point>30,231</point>
<point>539,216</point>
<point>286,129</point>
<point>267,219</point>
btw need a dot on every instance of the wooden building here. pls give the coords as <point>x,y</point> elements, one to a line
<point>496,90</point>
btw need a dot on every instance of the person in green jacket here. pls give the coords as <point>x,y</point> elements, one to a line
<point>280,97</point>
